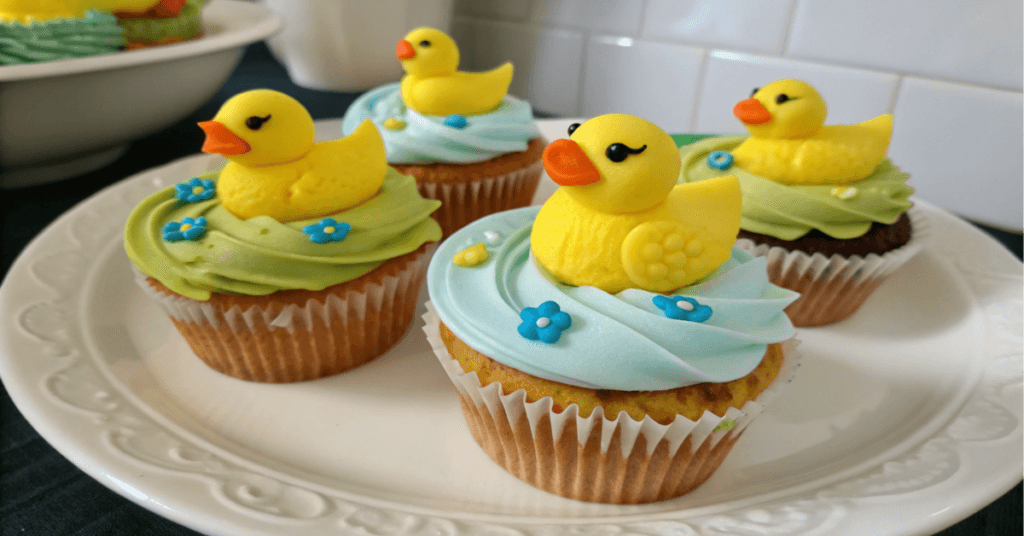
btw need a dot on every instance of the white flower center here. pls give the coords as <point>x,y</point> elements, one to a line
<point>684,305</point>
<point>543,322</point>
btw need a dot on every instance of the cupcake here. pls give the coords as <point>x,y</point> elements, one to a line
<point>465,141</point>
<point>296,260</point>
<point>165,22</point>
<point>612,345</point>
<point>36,34</point>
<point>822,203</point>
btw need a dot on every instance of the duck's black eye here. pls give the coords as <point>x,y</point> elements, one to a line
<point>424,43</point>
<point>573,127</point>
<point>617,152</point>
<point>782,97</point>
<point>752,93</point>
<point>254,123</point>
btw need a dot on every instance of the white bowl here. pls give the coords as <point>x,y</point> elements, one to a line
<point>68,117</point>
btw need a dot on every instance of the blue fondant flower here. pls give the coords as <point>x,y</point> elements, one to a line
<point>195,190</point>
<point>456,121</point>
<point>720,160</point>
<point>186,229</point>
<point>327,230</point>
<point>682,308</point>
<point>544,323</point>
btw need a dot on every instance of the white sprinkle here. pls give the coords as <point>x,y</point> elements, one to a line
<point>491,237</point>
<point>684,305</point>
<point>543,322</point>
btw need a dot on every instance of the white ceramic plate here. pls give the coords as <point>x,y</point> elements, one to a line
<point>903,419</point>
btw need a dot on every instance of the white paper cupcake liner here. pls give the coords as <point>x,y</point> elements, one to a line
<point>628,461</point>
<point>833,288</point>
<point>464,202</point>
<point>282,342</point>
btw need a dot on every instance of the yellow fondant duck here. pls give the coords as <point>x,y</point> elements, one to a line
<point>44,10</point>
<point>433,86</point>
<point>620,220</point>
<point>788,143</point>
<point>275,169</point>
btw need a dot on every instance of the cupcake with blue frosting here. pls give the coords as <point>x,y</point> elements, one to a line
<point>611,345</point>
<point>467,143</point>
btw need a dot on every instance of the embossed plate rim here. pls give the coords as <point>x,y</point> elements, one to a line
<point>837,508</point>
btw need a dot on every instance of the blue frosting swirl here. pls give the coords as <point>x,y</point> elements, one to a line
<point>617,341</point>
<point>426,139</point>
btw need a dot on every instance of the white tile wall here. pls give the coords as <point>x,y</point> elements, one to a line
<point>623,75</point>
<point>950,72</point>
<point>739,24</point>
<point>964,144</point>
<point>977,41</point>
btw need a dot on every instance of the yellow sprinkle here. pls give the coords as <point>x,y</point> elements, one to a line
<point>474,255</point>
<point>329,230</point>
<point>394,124</point>
<point>184,227</point>
<point>844,192</point>
<point>198,190</point>
<point>726,424</point>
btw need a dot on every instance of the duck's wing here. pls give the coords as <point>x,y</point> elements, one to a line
<point>461,92</point>
<point>692,236</point>
<point>662,255</point>
<point>342,173</point>
<point>843,153</point>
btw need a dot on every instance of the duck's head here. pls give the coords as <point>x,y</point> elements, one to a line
<point>615,163</point>
<point>428,52</point>
<point>783,109</point>
<point>260,127</point>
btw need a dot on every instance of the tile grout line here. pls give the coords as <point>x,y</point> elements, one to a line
<point>699,94</point>
<point>789,29</point>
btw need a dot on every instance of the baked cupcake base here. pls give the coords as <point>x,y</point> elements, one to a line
<point>833,287</point>
<point>594,458</point>
<point>469,192</point>
<point>299,335</point>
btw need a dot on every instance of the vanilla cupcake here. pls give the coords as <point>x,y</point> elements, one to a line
<point>297,260</point>
<point>823,204</point>
<point>612,345</point>
<point>466,142</point>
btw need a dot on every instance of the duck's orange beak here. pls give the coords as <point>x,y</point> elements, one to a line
<point>220,140</point>
<point>751,112</point>
<point>404,50</point>
<point>567,165</point>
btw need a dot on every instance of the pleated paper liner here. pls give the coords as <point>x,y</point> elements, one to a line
<point>293,336</point>
<point>833,288</point>
<point>469,192</point>
<point>597,459</point>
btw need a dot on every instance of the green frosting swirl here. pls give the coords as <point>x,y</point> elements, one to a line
<point>260,255</point>
<point>788,212</point>
<point>59,39</point>
<point>187,25</point>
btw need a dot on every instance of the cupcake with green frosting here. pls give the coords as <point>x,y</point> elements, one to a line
<point>169,21</point>
<point>312,284</point>
<point>59,38</point>
<point>826,207</point>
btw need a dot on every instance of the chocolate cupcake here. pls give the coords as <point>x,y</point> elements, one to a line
<point>823,204</point>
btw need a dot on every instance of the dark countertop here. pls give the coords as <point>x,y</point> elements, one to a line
<point>41,492</point>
